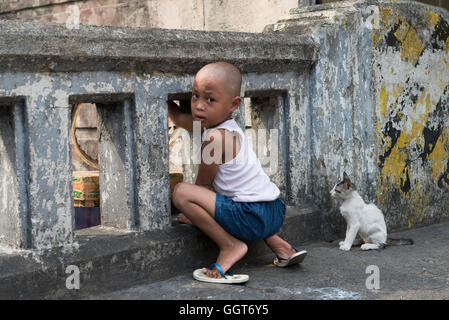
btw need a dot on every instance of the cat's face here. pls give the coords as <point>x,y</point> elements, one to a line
<point>343,189</point>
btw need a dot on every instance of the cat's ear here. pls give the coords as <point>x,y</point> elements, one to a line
<point>347,180</point>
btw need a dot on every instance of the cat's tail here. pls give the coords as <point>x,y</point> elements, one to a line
<point>399,242</point>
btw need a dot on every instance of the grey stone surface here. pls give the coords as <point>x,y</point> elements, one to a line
<point>117,164</point>
<point>405,272</point>
<point>110,259</point>
<point>14,227</point>
<point>52,47</point>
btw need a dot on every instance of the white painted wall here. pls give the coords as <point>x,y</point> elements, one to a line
<point>216,15</point>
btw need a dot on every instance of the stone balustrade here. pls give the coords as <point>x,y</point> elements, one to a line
<point>129,73</point>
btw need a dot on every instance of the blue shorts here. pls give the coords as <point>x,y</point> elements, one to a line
<point>249,221</point>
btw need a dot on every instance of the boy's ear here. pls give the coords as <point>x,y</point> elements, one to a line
<point>236,101</point>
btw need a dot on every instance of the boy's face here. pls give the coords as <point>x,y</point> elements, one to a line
<point>212,102</point>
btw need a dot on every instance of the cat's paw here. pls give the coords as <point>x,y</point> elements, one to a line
<point>341,243</point>
<point>369,246</point>
<point>345,247</point>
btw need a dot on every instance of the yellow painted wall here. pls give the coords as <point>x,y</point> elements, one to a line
<point>412,113</point>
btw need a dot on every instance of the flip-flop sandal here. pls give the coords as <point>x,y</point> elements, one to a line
<point>295,258</point>
<point>229,278</point>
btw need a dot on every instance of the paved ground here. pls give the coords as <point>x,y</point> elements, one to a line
<point>420,271</point>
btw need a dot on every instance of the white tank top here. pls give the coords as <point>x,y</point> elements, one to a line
<point>242,179</point>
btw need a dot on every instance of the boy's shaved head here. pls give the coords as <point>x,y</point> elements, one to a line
<point>229,73</point>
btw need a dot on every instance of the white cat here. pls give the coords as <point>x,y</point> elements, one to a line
<point>363,219</point>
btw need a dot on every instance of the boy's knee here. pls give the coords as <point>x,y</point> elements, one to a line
<point>180,193</point>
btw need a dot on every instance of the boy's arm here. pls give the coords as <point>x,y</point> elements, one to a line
<point>222,147</point>
<point>206,175</point>
<point>210,161</point>
<point>179,118</point>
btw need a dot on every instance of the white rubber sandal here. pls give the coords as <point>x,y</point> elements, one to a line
<point>229,278</point>
<point>295,258</point>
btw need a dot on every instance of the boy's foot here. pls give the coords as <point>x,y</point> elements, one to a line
<point>227,258</point>
<point>285,252</point>
<point>295,258</point>
<point>183,219</point>
<point>227,278</point>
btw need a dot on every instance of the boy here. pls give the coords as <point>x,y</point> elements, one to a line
<point>246,206</point>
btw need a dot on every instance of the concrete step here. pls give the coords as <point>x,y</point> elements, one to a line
<point>109,259</point>
<point>301,20</point>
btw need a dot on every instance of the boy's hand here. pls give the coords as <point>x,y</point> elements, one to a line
<point>179,118</point>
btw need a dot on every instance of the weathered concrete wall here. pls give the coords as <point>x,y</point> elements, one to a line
<point>411,81</point>
<point>223,15</point>
<point>12,173</point>
<point>129,75</point>
<point>378,106</point>
<point>440,3</point>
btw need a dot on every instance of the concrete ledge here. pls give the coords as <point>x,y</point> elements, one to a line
<point>109,259</point>
<point>303,19</point>
<point>53,47</point>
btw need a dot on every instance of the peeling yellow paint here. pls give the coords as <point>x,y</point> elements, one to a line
<point>397,90</point>
<point>412,47</point>
<point>376,37</point>
<point>388,16</point>
<point>411,44</point>
<point>396,170</point>
<point>440,155</point>
<point>407,138</point>
<point>433,18</point>
<point>402,31</point>
<point>394,165</point>
<point>285,18</point>
<point>403,169</point>
<point>383,101</point>
<point>420,201</point>
<point>278,27</point>
<point>429,106</point>
<point>388,19</point>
